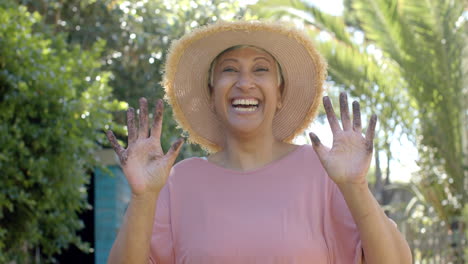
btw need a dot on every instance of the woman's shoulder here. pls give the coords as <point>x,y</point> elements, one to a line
<point>186,169</point>
<point>189,164</point>
<point>301,153</point>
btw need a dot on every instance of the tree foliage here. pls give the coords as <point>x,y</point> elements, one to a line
<point>55,103</point>
<point>61,65</point>
<point>357,66</point>
<point>426,40</point>
<point>138,34</point>
<point>405,57</point>
<point>410,55</point>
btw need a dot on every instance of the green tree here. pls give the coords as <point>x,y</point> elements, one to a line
<point>66,56</point>
<point>404,57</point>
<point>138,34</point>
<point>356,67</point>
<point>55,104</point>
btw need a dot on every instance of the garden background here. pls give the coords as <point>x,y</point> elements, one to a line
<point>69,69</point>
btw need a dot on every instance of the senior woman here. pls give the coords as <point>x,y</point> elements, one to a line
<point>244,91</point>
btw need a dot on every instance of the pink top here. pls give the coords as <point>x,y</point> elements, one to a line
<point>289,211</point>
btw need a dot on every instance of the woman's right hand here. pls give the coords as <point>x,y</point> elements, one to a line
<point>144,163</point>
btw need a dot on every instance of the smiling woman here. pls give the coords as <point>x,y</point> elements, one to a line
<point>244,91</point>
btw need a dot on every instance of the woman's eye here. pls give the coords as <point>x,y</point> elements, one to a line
<point>261,69</point>
<point>229,70</point>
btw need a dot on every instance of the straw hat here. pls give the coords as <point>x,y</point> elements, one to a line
<point>189,59</point>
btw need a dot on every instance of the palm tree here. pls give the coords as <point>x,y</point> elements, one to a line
<point>408,65</point>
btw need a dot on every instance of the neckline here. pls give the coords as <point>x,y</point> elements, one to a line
<point>265,167</point>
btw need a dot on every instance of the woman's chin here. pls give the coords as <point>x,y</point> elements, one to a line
<point>246,124</point>
<point>244,128</point>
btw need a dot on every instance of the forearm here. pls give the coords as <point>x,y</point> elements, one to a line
<point>132,244</point>
<point>381,240</point>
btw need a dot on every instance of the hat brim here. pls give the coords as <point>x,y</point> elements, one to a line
<point>189,59</point>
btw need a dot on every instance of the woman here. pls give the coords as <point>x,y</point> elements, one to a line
<point>243,91</point>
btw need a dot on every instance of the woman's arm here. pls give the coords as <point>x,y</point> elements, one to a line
<point>347,164</point>
<point>146,168</point>
<point>382,242</point>
<point>132,244</point>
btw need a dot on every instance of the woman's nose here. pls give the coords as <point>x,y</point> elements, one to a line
<point>245,81</point>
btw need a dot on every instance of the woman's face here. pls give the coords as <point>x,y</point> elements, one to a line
<point>245,91</point>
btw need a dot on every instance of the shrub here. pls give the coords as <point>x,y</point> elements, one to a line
<point>55,101</point>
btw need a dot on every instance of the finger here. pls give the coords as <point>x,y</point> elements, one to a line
<point>132,130</point>
<point>115,144</point>
<point>143,127</point>
<point>334,125</point>
<point>157,122</point>
<point>357,117</point>
<point>319,148</point>
<point>370,133</point>
<point>344,111</point>
<point>173,152</point>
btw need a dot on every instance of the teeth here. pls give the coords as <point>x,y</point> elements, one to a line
<point>245,109</point>
<point>245,102</point>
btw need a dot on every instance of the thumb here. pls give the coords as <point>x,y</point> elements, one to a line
<point>173,152</point>
<point>319,148</point>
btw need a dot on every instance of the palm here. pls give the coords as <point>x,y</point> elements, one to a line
<point>143,162</point>
<point>349,158</point>
<point>141,170</point>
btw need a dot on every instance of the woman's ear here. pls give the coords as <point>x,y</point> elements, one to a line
<point>279,104</point>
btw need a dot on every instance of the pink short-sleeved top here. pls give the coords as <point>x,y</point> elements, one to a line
<point>288,212</point>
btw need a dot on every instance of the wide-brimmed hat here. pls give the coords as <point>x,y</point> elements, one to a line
<point>187,70</point>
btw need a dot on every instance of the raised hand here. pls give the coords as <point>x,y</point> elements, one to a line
<point>144,163</point>
<point>349,158</point>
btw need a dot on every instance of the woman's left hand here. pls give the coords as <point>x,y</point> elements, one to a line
<point>348,161</point>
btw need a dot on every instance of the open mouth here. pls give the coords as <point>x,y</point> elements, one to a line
<point>245,105</point>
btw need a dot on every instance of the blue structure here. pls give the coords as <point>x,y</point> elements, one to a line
<point>111,198</point>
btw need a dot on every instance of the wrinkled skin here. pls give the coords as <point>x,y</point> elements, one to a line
<point>348,160</point>
<point>143,162</point>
